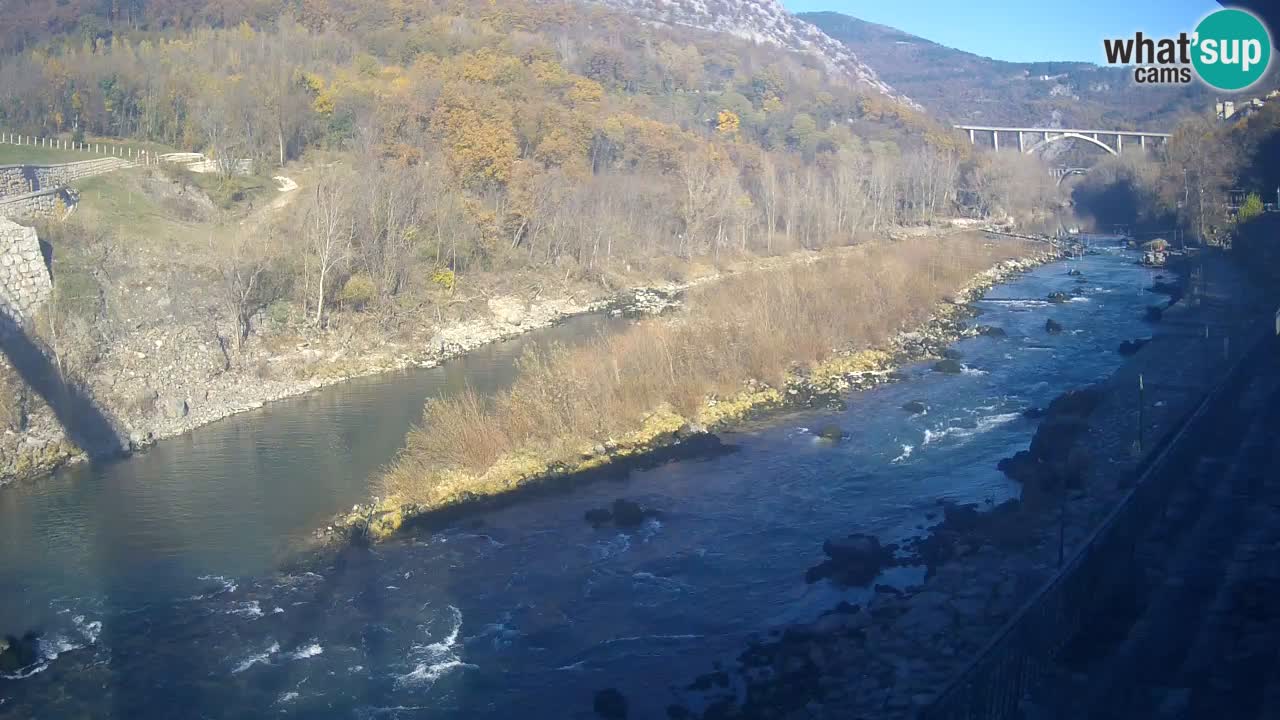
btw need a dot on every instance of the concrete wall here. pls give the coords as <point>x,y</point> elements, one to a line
<point>25,284</point>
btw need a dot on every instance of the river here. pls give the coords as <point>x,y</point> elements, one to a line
<point>178,583</point>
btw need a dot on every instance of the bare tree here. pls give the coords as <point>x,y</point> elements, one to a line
<point>329,227</point>
<point>244,262</point>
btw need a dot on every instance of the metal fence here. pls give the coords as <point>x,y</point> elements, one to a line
<point>994,683</point>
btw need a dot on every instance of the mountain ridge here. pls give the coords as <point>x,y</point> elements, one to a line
<point>965,87</point>
<point>766,22</point>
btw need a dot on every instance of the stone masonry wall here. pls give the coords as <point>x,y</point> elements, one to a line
<point>23,179</point>
<point>25,284</point>
<point>54,203</point>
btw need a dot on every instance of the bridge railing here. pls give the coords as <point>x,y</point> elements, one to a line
<point>994,683</point>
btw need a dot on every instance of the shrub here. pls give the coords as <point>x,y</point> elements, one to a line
<point>357,292</point>
<point>445,278</point>
<point>1251,209</point>
<point>280,312</point>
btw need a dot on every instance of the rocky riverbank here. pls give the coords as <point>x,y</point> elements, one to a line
<point>890,656</point>
<point>852,369</point>
<point>166,378</point>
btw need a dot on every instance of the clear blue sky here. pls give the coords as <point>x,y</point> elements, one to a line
<point>1022,30</point>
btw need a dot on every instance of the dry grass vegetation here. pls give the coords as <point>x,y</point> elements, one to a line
<point>749,329</point>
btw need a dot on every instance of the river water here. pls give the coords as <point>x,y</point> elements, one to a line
<point>177,583</point>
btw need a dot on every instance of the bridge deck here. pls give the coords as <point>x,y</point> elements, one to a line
<point>1041,130</point>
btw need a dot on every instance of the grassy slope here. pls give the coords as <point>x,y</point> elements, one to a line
<point>31,154</point>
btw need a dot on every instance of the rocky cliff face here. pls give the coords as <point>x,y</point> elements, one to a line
<point>761,21</point>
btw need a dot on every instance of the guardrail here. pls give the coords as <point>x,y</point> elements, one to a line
<point>106,149</point>
<point>993,684</point>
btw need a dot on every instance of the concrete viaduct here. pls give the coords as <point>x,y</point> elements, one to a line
<point>1032,139</point>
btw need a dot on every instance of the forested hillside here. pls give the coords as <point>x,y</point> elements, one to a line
<point>478,136</point>
<point>451,157</point>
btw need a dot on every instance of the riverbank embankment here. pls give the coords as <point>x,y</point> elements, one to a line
<point>784,340</point>
<point>889,657</point>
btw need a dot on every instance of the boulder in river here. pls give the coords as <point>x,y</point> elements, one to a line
<point>1058,297</point>
<point>915,407</point>
<point>622,513</point>
<point>598,516</point>
<point>610,704</point>
<point>833,433</point>
<point>855,560</point>
<point>1078,402</point>
<point>1052,457</point>
<point>17,653</point>
<point>992,331</point>
<point>627,513</point>
<point>1053,327</point>
<point>1154,313</point>
<point>1172,289</point>
<point>952,354</point>
<point>1131,347</point>
<point>949,366</point>
<point>1074,271</point>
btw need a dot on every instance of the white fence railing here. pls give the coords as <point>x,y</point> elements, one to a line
<point>193,161</point>
<point>126,152</point>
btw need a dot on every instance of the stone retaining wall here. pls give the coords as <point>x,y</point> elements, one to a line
<point>23,179</point>
<point>53,203</point>
<point>25,284</point>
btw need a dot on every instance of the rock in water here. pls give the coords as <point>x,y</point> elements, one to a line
<point>1154,313</point>
<point>598,516</point>
<point>627,513</point>
<point>610,704</point>
<point>992,331</point>
<point>830,432</point>
<point>853,560</point>
<point>1079,402</point>
<point>19,653</point>
<point>1131,347</point>
<point>949,366</point>
<point>952,354</point>
<point>1073,271</point>
<point>915,407</point>
<point>1053,327</point>
<point>1058,297</point>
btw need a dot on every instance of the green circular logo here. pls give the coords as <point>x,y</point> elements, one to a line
<point>1232,49</point>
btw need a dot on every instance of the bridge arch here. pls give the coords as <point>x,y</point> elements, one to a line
<point>1074,136</point>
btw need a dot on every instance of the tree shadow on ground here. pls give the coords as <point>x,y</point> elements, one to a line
<point>84,422</point>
